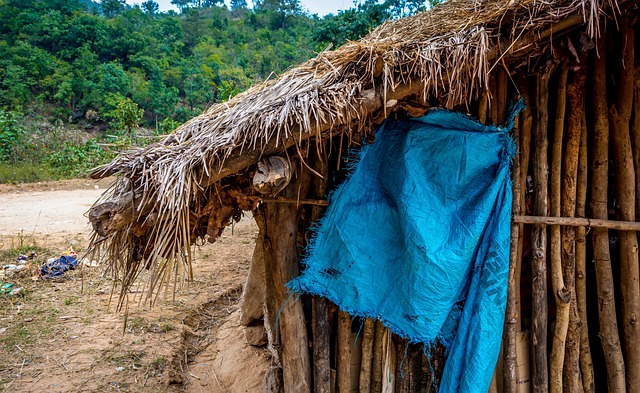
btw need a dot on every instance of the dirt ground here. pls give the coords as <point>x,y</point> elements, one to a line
<point>64,335</point>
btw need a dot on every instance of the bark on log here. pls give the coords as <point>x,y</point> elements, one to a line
<point>281,265</point>
<point>561,294</point>
<point>619,118</point>
<point>378,358</point>
<point>511,315</point>
<point>540,373</point>
<point>344,352</point>
<point>599,207</point>
<point>579,221</point>
<point>575,93</point>
<point>253,292</point>
<point>320,312</point>
<point>368,332</point>
<point>586,363</point>
<point>635,134</point>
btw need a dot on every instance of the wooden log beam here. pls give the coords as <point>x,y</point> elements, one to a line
<point>368,331</point>
<point>579,222</point>
<point>599,207</point>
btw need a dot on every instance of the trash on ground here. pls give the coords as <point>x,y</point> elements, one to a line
<point>58,267</point>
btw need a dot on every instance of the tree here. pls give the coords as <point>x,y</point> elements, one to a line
<point>150,7</point>
<point>181,4</point>
<point>111,8</point>
<point>238,4</point>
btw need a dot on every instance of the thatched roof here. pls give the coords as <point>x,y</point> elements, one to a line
<point>447,53</point>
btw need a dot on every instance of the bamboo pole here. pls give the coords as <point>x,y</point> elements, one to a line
<point>586,363</point>
<point>540,374</point>
<point>619,118</point>
<point>635,134</point>
<point>368,331</point>
<point>575,94</point>
<point>511,316</point>
<point>502,84</point>
<point>561,294</point>
<point>483,102</point>
<point>599,206</point>
<point>578,221</point>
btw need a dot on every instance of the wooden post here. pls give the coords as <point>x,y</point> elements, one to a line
<point>586,363</point>
<point>281,265</point>
<point>575,94</point>
<point>378,359</point>
<point>345,344</point>
<point>619,118</point>
<point>561,293</point>
<point>368,331</point>
<point>493,98</point>
<point>511,316</point>
<point>599,207</point>
<point>540,373</point>
<point>320,306</point>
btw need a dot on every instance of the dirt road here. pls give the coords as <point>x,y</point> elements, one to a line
<point>64,336</point>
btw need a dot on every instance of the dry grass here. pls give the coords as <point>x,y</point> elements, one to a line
<point>446,50</point>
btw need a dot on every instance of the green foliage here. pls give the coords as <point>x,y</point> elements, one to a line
<point>126,116</point>
<point>79,64</point>
<point>12,137</point>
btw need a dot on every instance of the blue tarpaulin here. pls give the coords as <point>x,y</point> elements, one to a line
<point>418,237</point>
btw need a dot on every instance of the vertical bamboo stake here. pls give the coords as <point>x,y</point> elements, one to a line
<point>575,94</point>
<point>586,364</point>
<point>561,294</point>
<point>367,354</point>
<point>619,117</point>
<point>540,374</point>
<point>344,352</point>
<point>599,207</point>
<point>320,312</point>
<point>377,361</point>
<point>511,316</point>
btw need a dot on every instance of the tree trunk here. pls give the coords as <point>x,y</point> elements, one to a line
<point>281,265</point>
<point>599,207</point>
<point>540,373</point>
<point>619,118</point>
<point>561,293</point>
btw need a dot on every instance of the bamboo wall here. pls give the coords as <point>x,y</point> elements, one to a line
<point>574,284</point>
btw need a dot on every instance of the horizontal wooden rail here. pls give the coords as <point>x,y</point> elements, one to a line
<point>579,222</point>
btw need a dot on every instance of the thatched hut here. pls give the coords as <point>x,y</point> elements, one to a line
<point>573,277</point>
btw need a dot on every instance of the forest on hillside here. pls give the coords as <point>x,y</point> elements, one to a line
<point>78,78</point>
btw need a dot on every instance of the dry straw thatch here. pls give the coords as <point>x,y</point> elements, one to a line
<point>447,53</point>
